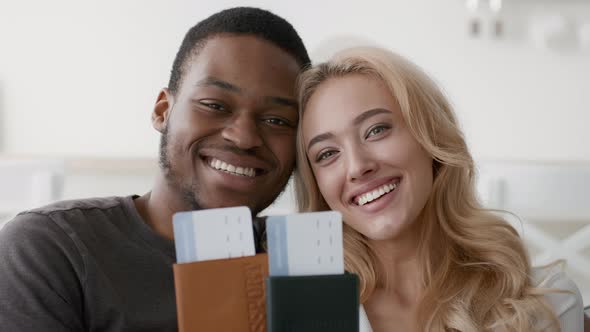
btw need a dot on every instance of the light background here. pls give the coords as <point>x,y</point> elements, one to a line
<point>78,79</point>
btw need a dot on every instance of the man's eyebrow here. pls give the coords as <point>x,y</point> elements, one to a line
<point>282,101</point>
<point>358,120</point>
<point>368,114</point>
<point>319,138</point>
<point>212,81</point>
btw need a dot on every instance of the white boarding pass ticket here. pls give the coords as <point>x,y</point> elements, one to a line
<point>213,234</point>
<point>305,244</point>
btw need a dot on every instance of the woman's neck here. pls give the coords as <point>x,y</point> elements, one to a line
<point>394,302</point>
<point>399,266</point>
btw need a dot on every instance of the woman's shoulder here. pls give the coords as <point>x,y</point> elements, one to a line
<point>554,277</point>
<point>563,295</point>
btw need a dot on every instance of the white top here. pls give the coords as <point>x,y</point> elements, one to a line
<point>568,306</point>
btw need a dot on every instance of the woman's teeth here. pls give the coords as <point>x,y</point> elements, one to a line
<point>373,195</point>
<point>223,166</point>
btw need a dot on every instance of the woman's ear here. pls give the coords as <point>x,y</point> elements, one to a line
<point>162,110</point>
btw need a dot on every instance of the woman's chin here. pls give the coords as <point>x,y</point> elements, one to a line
<point>381,231</point>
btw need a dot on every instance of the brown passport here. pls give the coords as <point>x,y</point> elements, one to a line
<point>225,295</point>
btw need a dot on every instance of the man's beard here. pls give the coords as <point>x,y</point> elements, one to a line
<point>188,193</point>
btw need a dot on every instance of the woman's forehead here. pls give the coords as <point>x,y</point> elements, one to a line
<point>338,101</point>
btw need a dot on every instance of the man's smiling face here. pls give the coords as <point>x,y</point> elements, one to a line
<point>228,135</point>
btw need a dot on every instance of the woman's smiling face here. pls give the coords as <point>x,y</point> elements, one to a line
<point>367,163</point>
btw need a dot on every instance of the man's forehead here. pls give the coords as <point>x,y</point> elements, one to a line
<point>263,70</point>
<point>241,54</point>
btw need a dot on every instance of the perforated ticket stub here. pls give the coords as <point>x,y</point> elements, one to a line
<point>213,234</point>
<point>305,244</point>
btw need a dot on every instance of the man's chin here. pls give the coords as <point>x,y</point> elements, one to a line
<point>226,203</point>
<point>214,196</point>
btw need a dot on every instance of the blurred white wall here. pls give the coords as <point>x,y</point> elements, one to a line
<point>79,78</point>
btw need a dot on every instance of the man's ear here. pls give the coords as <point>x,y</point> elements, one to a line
<point>162,110</point>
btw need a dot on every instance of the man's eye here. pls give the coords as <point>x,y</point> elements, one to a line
<point>325,155</point>
<point>214,106</point>
<point>277,122</point>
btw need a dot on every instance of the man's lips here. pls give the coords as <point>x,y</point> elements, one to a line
<point>236,164</point>
<point>232,169</point>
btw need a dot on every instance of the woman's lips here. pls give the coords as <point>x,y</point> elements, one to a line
<point>375,191</point>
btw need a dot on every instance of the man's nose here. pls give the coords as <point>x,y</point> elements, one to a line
<point>243,132</point>
<point>360,163</point>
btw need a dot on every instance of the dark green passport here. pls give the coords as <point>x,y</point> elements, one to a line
<point>327,303</point>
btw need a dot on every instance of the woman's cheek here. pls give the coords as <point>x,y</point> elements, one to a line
<point>331,186</point>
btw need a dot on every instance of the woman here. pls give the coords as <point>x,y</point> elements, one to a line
<point>379,142</point>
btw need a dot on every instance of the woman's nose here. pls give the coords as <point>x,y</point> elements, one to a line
<point>360,163</point>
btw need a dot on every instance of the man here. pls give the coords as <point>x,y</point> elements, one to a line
<point>228,120</point>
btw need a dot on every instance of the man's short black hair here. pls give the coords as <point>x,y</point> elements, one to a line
<point>240,20</point>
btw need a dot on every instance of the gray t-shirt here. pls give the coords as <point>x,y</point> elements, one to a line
<point>85,265</point>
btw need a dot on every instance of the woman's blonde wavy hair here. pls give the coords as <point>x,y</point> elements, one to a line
<point>479,279</point>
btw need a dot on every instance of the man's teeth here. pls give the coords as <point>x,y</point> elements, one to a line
<point>223,166</point>
<point>373,195</point>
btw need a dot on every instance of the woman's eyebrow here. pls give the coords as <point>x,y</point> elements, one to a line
<point>368,114</point>
<point>319,138</point>
<point>358,120</point>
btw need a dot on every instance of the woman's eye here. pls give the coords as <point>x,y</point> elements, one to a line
<point>325,155</point>
<point>376,131</point>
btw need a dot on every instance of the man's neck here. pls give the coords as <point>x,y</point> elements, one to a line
<point>158,206</point>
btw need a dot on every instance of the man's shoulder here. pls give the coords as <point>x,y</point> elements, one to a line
<point>100,203</point>
<point>64,217</point>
